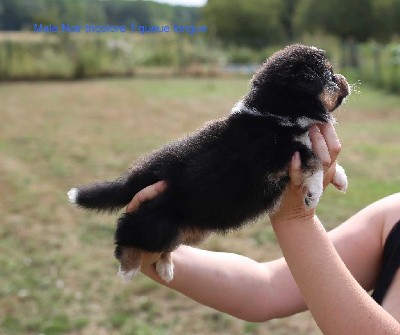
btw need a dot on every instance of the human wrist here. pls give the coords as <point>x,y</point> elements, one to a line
<point>294,215</point>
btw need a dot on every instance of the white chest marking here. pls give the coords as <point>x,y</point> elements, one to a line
<point>302,121</point>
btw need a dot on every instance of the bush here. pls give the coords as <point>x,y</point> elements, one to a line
<point>74,57</point>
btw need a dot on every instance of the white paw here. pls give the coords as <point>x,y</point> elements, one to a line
<point>311,200</point>
<point>73,195</point>
<point>314,188</point>
<point>127,275</point>
<point>165,269</point>
<point>340,179</point>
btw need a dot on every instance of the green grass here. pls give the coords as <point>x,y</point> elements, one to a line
<point>57,271</point>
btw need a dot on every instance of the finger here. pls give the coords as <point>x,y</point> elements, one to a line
<point>295,169</point>
<point>328,175</point>
<point>332,140</point>
<point>320,147</point>
<point>148,193</point>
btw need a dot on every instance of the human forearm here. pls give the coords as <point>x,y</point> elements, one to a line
<point>339,306</point>
<point>338,303</point>
<point>234,284</point>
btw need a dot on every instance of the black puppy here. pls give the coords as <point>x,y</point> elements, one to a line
<point>230,171</point>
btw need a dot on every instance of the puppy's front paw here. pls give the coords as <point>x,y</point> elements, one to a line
<point>313,189</point>
<point>311,200</point>
<point>165,269</point>
<point>340,179</point>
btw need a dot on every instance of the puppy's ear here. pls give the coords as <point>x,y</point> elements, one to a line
<point>307,81</point>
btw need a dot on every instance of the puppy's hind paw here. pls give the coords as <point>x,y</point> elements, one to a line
<point>165,269</point>
<point>340,179</point>
<point>127,275</point>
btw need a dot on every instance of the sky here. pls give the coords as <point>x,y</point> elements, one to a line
<point>197,3</point>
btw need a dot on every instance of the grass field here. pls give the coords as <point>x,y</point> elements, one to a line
<point>57,271</point>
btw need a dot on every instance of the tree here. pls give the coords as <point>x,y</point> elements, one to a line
<point>343,18</point>
<point>386,19</point>
<point>254,23</point>
<point>15,14</point>
<point>287,18</point>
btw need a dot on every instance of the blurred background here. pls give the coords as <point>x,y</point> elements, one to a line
<point>76,107</point>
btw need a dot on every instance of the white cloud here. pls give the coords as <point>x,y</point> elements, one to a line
<point>197,3</point>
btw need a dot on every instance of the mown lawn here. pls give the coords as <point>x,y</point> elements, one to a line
<point>57,271</point>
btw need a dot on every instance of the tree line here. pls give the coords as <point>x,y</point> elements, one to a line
<point>263,22</point>
<point>22,14</point>
<point>253,23</point>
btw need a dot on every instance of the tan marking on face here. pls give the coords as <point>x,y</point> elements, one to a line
<point>332,96</point>
<point>328,65</point>
<point>328,99</point>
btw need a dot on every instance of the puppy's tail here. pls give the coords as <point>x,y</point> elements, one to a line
<point>102,196</point>
<point>110,196</point>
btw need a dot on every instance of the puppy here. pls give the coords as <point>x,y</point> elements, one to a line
<point>231,170</point>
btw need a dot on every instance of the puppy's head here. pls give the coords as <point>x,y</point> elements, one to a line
<point>297,82</point>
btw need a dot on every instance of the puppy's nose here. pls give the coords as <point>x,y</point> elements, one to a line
<point>343,85</point>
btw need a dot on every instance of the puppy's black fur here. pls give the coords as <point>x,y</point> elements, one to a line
<point>233,169</point>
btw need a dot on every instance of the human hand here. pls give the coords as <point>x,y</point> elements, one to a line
<point>326,145</point>
<point>148,193</point>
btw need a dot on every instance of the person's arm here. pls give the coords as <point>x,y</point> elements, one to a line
<point>258,292</point>
<point>337,302</point>
<point>234,284</point>
<point>262,291</point>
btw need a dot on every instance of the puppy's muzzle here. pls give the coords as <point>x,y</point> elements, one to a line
<point>343,85</point>
<point>344,89</point>
<point>334,93</point>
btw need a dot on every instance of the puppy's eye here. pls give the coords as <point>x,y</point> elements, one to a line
<point>329,76</point>
<point>333,78</point>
